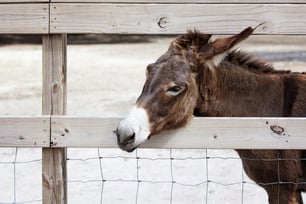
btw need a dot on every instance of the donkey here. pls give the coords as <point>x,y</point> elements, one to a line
<point>198,76</point>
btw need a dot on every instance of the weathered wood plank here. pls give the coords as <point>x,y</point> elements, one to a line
<point>23,1</point>
<point>24,131</point>
<point>176,18</point>
<point>220,133</point>
<point>242,133</point>
<point>54,176</point>
<point>54,90</point>
<point>233,133</point>
<point>54,172</point>
<point>24,18</point>
<point>183,1</point>
<point>91,132</point>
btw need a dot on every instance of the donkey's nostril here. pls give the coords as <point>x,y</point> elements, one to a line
<point>129,139</point>
<point>125,135</point>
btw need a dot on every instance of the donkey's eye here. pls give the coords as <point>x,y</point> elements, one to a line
<point>174,90</point>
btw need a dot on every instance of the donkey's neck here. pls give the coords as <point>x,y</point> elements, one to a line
<point>230,90</point>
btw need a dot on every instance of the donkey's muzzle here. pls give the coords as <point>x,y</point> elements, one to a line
<point>133,130</point>
<point>124,139</point>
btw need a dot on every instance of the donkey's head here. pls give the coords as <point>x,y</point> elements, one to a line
<point>170,93</point>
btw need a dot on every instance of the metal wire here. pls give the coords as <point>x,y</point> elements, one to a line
<point>137,175</point>
<point>207,179</point>
<point>242,186</point>
<point>15,163</point>
<point>173,181</point>
<point>15,159</point>
<point>102,177</point>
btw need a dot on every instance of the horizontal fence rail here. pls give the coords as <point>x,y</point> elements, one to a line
<point>24,18</point>
<point>25,131</point>
<point>23,1</point>
<point>162,1</point>
<point>158,17</point>
<point>231,133</point>
<point>176,18</point>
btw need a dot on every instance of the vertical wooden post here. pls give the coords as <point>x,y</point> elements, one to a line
<point>54,103</point>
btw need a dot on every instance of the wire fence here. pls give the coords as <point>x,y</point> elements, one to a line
<point>162,174</point>
<point>20,175</point>
<point>144,176</point>
<point>169,176</point>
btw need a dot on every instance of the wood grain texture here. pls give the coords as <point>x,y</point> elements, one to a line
<point>54,176</point>
<point>54,172</point>
<point>24,131</point>
<point>176,18</point>
<point>23,1</point>
<point>24,18</point>
<point>54,75</point>
<point>184,1</point>
<point>219,133</point>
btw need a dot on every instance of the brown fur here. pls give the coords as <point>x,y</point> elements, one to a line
<point>235,84</point>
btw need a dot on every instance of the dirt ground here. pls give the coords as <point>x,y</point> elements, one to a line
<point>105,80</point>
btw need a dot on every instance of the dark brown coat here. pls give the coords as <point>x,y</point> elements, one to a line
<point>201,77</point>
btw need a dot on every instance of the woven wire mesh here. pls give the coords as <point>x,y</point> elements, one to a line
<point>161,176</point>
<point>144,176</point>
<point>20,175</point>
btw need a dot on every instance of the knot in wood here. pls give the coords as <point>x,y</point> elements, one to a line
<point>163,22</point>
<point>55,87</point>
<point>277,129</point>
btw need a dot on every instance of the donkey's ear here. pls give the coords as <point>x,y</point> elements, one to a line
<point>215,51</point>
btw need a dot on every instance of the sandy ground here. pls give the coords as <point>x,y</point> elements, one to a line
<point>105,80</point>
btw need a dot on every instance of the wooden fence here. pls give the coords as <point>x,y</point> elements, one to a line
<point>55,18</point>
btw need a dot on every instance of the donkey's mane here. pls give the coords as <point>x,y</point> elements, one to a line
<point>252,63</point>
<point>193,38</point>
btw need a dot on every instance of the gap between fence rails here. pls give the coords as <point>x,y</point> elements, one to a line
<point>212,133</point>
